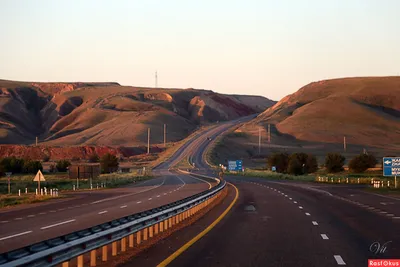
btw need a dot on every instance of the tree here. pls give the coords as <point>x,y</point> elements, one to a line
<point>302,163</point>
<point>334,162</point>
<point>94,158</point>
<point>46,158</point>
<point>109,163</point>
<point>62,165</point>
<point>12,164</point>
<point>32,166</point>
<point>362,162</point>
<point>279,160</point>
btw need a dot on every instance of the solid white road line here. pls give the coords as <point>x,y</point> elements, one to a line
<point>102,212</point>
<point>339,260</point>
<point>11,236</point>
<point>57,224</point>
<point>314,223</point>
<point>124,206</point>
<point>308,214</point>
<point>324,236</point>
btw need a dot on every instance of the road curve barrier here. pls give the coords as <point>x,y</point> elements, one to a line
<point>119,234</point>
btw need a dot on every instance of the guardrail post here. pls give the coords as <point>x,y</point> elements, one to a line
<point>80,261</point>
<point>169,222</point>
<point>156,229</point>
<point>114,248</point>
<point>176,219</point>
<point>151,231</point>
<point>162,226</point>
<point>131,240</point>
<point>104,251</point>
<point>166,224</point>
<point>145,233</point>
<point>65,264</point>
<point>138,237</point>
<point>123,244</point>
<point>93,258</point>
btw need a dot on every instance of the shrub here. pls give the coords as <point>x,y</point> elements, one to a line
<point>109,163</point>
<point>52,168</point>
<point>302,163</point>
<point>45,158</point>
<point>94,158</point>
<point>32,166</point>
<point>362,162</point>
<point>62,165</point>
<point>334,162</point>
<point>279,160</point>
<point>12,164</point>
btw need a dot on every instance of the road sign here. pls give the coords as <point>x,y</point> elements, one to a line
<point>391,166</point>
<point>39,177</point>
<point>235,165</point>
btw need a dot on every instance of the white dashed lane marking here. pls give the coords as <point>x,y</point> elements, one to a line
<point>102,212</point>
<point>339,260</point>
<point>57,224</point>
<point>300,207</point>
<point>30,216</point>
<point>308,214</point>
<point>138,202</point>
<point>124,206</point>
<point>150,198</point>
<point>11,236</point>
<point>314,223</point>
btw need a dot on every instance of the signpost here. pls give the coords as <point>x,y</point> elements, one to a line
<point>9,182</point>
<point>391,167</point>
<point>235,165</point>
<point>39,178</point>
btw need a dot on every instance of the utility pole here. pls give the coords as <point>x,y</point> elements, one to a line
<point>165,135</point>
<point>269,133</point>
<point>148,140</point>
<point>259,140</point>
<point>156,80</point>
<point>36,140</point>
<point>344,143</point>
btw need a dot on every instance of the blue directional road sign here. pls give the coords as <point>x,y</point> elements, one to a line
<point>391,166</point>
<point>235,165</point>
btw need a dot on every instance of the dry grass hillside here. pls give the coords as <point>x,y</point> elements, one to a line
<point>316,118</point>
<point>110,114</point>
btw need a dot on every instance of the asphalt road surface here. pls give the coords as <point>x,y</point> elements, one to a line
<point>25,225</point>
<point>284,224</point>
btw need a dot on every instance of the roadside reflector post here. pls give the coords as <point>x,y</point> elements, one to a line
<point>19,192</point>
<point>123,244</point>
<point>51,192</point>
<point>388,183</point>
<point>41,191</point>
<point>26,190</point>
<point>358,180</point>
<point>93,258</point>
<point>104,252</point>
<point>73,187</point>
<point>114,248</point>
<point>80,261</point>
<point>131,241</point>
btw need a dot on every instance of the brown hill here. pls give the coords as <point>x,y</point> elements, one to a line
<point>317,117</point>
<point>110,114</point>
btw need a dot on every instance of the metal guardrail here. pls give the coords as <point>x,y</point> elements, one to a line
<point>61,249</point>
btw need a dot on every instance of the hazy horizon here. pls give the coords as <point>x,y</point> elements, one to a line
<point>254,47</point>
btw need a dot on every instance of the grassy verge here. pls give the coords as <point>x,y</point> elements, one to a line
<point>273,175</point>
<point>6,201</point>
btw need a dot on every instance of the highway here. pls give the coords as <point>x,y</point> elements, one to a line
<point>24,225</point>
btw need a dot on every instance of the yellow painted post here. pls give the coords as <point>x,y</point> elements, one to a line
<point>80,261</point>
<point>65,264</point>
<point>181,217</point>
<point>145,233</point>
<point>123,244</point>
<point>114,248</point>
<point>93,258</point>
<point>151,231</point>
<point>156,229</point>
<point>174,220</point>
<point>138,237</point>
<point>161,227</point>
<point>166,224</point>
<point>169,222</point>
<point>131,241</point>
<point>104,253</point>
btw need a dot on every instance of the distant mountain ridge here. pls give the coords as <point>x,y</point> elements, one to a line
<point>110,114</point>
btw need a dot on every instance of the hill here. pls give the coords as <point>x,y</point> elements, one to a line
<point>110,114</point>
<point>317,117</point>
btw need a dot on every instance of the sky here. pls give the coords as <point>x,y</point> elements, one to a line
<point>268,48</point>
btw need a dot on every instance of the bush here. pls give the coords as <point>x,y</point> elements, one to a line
<point>334,162</point>
<point>302,163</point>
<point>62,165</point>
<point>362,162</point>
<point>109,163</point>
<point>12,164</point>
<point>279,160</point>
<point>75,159</point>
<point>32,166</point>
<point>52,168</point>
<point>45,158</point>
<point>94,158</point>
